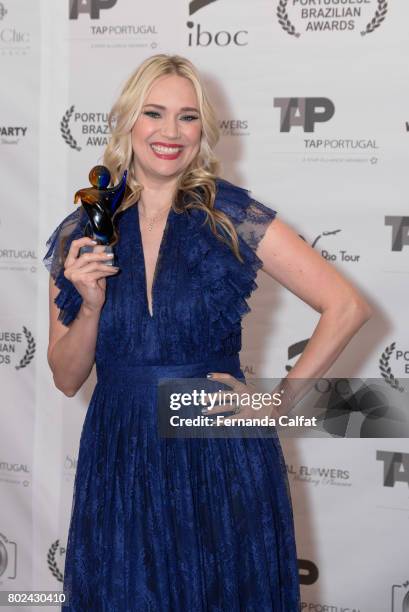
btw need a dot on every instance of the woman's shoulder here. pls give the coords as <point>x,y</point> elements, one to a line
<point>249,216</point>
<point>231,198</point>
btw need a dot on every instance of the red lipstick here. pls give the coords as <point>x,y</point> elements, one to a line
<point>166,155</point>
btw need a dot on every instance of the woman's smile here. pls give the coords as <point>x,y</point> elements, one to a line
<point>166,150</point>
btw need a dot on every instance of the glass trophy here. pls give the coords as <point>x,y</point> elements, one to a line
<point>100,203</point>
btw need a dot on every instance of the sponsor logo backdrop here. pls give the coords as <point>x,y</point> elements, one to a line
<point>312,102</point>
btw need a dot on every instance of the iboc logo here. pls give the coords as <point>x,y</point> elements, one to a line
<point>199,37</point>
<point>92,7</point>
<point>400,231</point>
<point>304,112</point>
<point>91,125</point>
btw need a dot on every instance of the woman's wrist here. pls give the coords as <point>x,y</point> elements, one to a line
<point>90,311</point>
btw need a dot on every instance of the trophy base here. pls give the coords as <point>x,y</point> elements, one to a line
<point>99,248</point>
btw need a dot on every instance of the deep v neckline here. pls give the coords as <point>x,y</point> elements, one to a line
<point>156,271</point>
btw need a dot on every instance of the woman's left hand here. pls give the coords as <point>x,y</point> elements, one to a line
<point>243,407</point>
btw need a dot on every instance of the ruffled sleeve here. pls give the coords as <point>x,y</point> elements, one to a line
<point>225,282</point>
<point>250,217</point>
<point>68,299</point>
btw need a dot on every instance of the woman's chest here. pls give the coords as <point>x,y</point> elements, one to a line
<point>178,310</point>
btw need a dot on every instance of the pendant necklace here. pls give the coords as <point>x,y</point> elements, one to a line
<point>152,220</point>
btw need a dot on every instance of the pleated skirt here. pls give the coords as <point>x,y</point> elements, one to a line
<point>182,525</point>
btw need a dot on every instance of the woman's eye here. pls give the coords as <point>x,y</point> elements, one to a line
<point>156,115</point>
<point>153,114</point>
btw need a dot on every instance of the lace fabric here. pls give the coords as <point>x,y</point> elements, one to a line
<point>68,299</point>
<point>250,217</point>
<point>253,228</point>
<point>60,240</point>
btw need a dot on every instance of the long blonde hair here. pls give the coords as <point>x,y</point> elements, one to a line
<point>196,186</point>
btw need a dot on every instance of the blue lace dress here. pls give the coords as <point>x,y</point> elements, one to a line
<point>188,524</point>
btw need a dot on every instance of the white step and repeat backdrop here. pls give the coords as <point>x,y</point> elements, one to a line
<point>312,97</point>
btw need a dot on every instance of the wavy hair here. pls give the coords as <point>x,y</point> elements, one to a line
<point>196,186</point>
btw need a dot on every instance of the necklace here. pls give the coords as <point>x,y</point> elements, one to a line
<point>152,220</point>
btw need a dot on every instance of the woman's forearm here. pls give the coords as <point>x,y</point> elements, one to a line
<point>335,328</point>
<point>72,357</point>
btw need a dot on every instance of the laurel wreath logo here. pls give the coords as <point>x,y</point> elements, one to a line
<point>66,132</point>
<point>386,370</point>
<point>284,20</point>
<point>377,19</point>
<point>288,26</point>
<point>30,350</point>
<point>51,562</point>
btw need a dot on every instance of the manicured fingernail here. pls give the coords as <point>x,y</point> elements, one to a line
<point>209,375</point>
<point>94,241</point>
<point>109,254</point>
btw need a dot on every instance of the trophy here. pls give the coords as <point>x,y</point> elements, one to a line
<point>100,203</point>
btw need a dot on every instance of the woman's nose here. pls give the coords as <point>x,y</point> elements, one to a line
<point>170,127</point>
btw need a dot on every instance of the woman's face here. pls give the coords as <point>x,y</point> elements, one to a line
<point>166,136</point>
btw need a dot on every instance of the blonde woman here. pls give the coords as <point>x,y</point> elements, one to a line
<point>185,524</point>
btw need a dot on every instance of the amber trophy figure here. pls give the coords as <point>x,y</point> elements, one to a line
<point>100,203</point>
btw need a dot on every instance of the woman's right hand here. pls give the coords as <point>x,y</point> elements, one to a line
<point>88,271</point>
